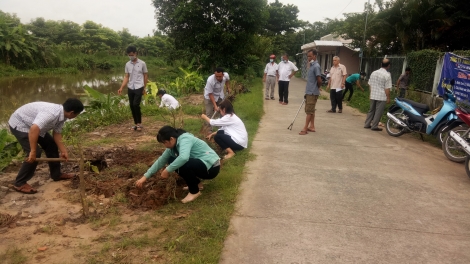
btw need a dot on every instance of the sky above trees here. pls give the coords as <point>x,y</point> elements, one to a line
<point>138,15</point>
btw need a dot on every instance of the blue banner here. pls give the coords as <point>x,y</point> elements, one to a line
<point>458,69</point>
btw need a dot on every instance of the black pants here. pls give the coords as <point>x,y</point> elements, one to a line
<point>225,141</point>
<point>336,99</point>
<point>135,97</point>
<point>402,93</point>
<point>283,91</point>
<point>193,170</point>
<point>349,87</point>
<point>27,170</point>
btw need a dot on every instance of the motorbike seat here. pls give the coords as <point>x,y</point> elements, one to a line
<point>421,108</point>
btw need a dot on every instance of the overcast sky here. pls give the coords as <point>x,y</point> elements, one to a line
<point>138,15</point>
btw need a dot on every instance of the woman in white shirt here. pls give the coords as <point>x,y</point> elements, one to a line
<point>232,135</point>
<point>167,100</point>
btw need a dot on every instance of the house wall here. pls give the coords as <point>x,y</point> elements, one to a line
<point>348,58</point>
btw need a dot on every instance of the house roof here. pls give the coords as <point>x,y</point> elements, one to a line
<point>322,43</point>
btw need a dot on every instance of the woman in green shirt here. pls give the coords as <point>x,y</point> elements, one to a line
<point>188,156</point>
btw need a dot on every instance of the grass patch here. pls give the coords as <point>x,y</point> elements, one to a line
<point>360,100</point>
<point>13,256</point>
<point>101,141</point>
<point>198,236</point>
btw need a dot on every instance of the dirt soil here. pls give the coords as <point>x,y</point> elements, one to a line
<point>49,226</point>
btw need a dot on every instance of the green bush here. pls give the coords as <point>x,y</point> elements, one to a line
<point>423,65</point>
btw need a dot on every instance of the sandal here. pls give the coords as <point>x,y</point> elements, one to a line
<point>133,128</point>
<point>310,130</point>
<point>66,176</point>
<point>139,128</point>
<point>303,132</point>
<point>26,189</point>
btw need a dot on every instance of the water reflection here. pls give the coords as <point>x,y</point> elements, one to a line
<point>15,92</point>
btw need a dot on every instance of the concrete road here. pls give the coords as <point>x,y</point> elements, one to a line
<point>346,194</point>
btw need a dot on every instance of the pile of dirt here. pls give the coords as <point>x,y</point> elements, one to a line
<point>120,168</point>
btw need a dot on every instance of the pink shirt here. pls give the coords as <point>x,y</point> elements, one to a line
<point>336,76</point>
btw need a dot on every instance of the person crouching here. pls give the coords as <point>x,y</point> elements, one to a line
<point>232,135</point>
<point>188,156</point>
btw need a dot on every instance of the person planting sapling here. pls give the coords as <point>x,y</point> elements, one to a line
<point>186,155</point>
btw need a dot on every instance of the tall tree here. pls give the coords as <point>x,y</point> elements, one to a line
<point>282,18</point>
<point>218,32</point>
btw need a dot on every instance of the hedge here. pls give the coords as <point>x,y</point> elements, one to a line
<point>423,65</point>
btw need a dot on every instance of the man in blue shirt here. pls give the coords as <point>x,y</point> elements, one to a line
<point>354,78</point>
<point>312,91</point>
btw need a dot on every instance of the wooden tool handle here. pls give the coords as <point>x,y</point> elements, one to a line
<point>56,159</point>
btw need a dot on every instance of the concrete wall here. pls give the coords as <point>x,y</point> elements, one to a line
<point>348,58</point>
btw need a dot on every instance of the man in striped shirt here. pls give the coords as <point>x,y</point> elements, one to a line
<point>30,125</point>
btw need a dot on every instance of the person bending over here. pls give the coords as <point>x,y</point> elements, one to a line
<point>186,155</point>
<point>168,101</point>
<point>232,135</point>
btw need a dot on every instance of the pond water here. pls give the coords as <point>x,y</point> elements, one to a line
<point>17,91</point>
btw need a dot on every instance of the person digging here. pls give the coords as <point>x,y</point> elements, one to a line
<point>186,155</point>
<point>232,135</point>
<point>30,124</point>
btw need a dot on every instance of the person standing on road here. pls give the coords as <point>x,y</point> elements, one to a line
<point>270,76</point>
<point>336,85</point>
<point>312,91</point>
<point>186,155</point>
<point>354,78</point>
<point>403,82</point>
<point>30,125</point>
<point>214,91</point>
<point>136,78</point>
<point>380,83</point>
<point>286,69</point>
<point>232,135</point>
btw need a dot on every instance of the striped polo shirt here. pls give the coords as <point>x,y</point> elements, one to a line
<point>47,116</point>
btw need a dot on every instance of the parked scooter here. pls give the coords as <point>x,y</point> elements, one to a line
<point>409,116</point>
<point>325,77</point>
<point>457,131</point>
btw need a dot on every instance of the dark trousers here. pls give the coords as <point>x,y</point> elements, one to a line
<point>193,170</point>
<point>135,97</point>
<point>27,170</point>
<point>226,141</point>
<point>336,99</point>
<point>349,87</point>
<point>402,93</point>
<point>283,91</point>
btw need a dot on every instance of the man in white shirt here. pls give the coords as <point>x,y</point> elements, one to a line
<point>167,100</point>
<point>336,85</point>
<point>30,125</point>
<point>135,78</point>
<point>380,83</point>
<point>286,69</point>
<point>270,73</point>
<point>214,90</point>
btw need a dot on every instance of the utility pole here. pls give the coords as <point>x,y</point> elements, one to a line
<point>364,38</point>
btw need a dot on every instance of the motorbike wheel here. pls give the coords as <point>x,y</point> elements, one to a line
<point>467,165</point>
<point>452,149</point>
<point>393,129</point>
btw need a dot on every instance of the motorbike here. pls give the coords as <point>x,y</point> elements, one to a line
<point>457,137</point>
<point>409,116</point>
<point>325,76</point>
